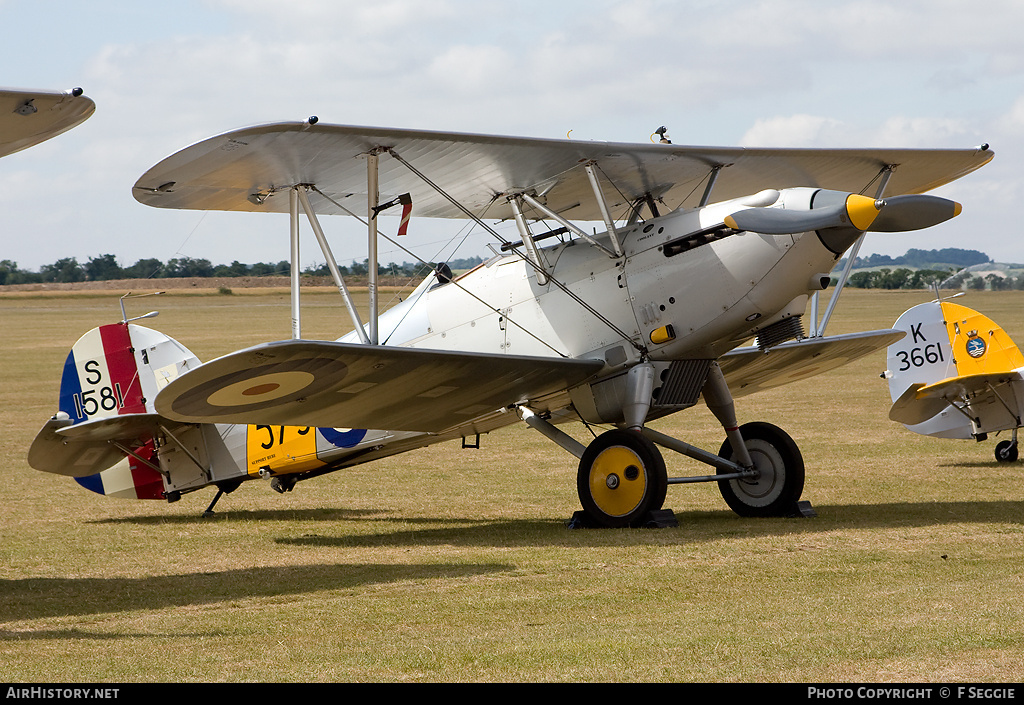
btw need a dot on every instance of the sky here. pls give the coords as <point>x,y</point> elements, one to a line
<point>780,73</point>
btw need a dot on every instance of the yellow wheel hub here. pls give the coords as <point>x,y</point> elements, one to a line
<point>617,481</point>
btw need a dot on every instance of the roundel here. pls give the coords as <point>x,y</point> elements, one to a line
<point>343,437</point>
<point>260,387</point>
<point>268,387</point>
<point>975,347</point>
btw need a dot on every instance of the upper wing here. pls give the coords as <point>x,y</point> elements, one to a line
<point>309,383</point>
<point>222,172</point>
<point>30,117</point>
<point>749,370</point>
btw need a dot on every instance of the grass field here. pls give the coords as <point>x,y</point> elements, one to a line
<point>455,565</point>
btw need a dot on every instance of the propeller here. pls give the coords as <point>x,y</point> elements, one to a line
<point>895,214</point>
<point>914,212</point>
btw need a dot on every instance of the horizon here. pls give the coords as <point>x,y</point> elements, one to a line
<point>938,75</point>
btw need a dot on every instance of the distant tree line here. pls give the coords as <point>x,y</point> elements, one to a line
<point>970,280</point>
<point>951,256</point>
<point>901,278</point>
<point>904,278</point>
<point>105,268</point>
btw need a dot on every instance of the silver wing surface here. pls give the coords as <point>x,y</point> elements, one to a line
<point>313,383</point>
<point>251,169</point>
<point>921,402</point>
<point>749,370</point>
<point>83,449</point>
<point>30,117</point>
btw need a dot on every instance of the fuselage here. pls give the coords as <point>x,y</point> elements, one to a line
<point>715,290</point>
<point>685,287</point>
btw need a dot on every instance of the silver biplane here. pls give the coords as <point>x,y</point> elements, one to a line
<point>613,329</point>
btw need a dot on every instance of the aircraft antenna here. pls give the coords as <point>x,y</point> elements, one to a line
<point>662,134</point>
<point>130,295</point>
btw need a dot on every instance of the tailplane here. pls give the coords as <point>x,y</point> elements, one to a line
<point>944,374</point>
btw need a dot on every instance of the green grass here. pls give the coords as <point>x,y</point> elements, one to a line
<point>455,565</point>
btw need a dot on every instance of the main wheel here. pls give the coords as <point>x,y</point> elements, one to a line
<point>780,481</point>
<point>621,477</point>
<point>1006,451</point>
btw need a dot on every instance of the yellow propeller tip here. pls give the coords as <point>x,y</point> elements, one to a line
<point>956,209</point>
<point>731,223</point>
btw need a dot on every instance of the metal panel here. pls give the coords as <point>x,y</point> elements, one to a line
<point>304,383</point>
<point>682,383</point>
<point>222,172</point>
<point>748,370</point>
<point>30,117</point>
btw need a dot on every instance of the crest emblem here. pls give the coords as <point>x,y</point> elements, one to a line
<point>976,347</point>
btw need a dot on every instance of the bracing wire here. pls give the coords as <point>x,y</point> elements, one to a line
<point>561,286</point>
<point>453,281</point>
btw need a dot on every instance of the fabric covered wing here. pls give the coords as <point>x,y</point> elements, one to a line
<point>252,169</point>
<point>309,383</point>
<point>921,402</point>
<point>748,370</point>
<point>911,410</point>
<point>30,117</point>
<point>80,450</point>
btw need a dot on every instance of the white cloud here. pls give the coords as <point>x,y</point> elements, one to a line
<point>344,17</point>
<point>926,132</point>
<point>1012,120</point>
<point>794,131</point>
<point>472,70</point>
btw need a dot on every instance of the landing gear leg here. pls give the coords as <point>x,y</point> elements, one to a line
<point>222,489</point>
<point>778,482</point>
<point>622,478</point>
<point>776,489</point>
<point>719,400</point>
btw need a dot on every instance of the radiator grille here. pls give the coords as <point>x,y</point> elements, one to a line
<point>786,329</point>
<point>682,382</point>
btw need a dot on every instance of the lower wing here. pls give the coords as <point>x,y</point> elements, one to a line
<point>319,383</point>
<point>750,370</point>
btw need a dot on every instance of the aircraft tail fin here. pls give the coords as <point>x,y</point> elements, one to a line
<point>945,342</point>
<point>103,433</point>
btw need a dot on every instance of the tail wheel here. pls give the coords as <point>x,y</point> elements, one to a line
<point>1006,451</point>
<point>621,477</point>
<point>780,481</point>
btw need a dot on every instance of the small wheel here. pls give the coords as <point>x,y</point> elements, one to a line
<point>777,488</point>
<point>1006,451</point>
<point>621,477</point>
